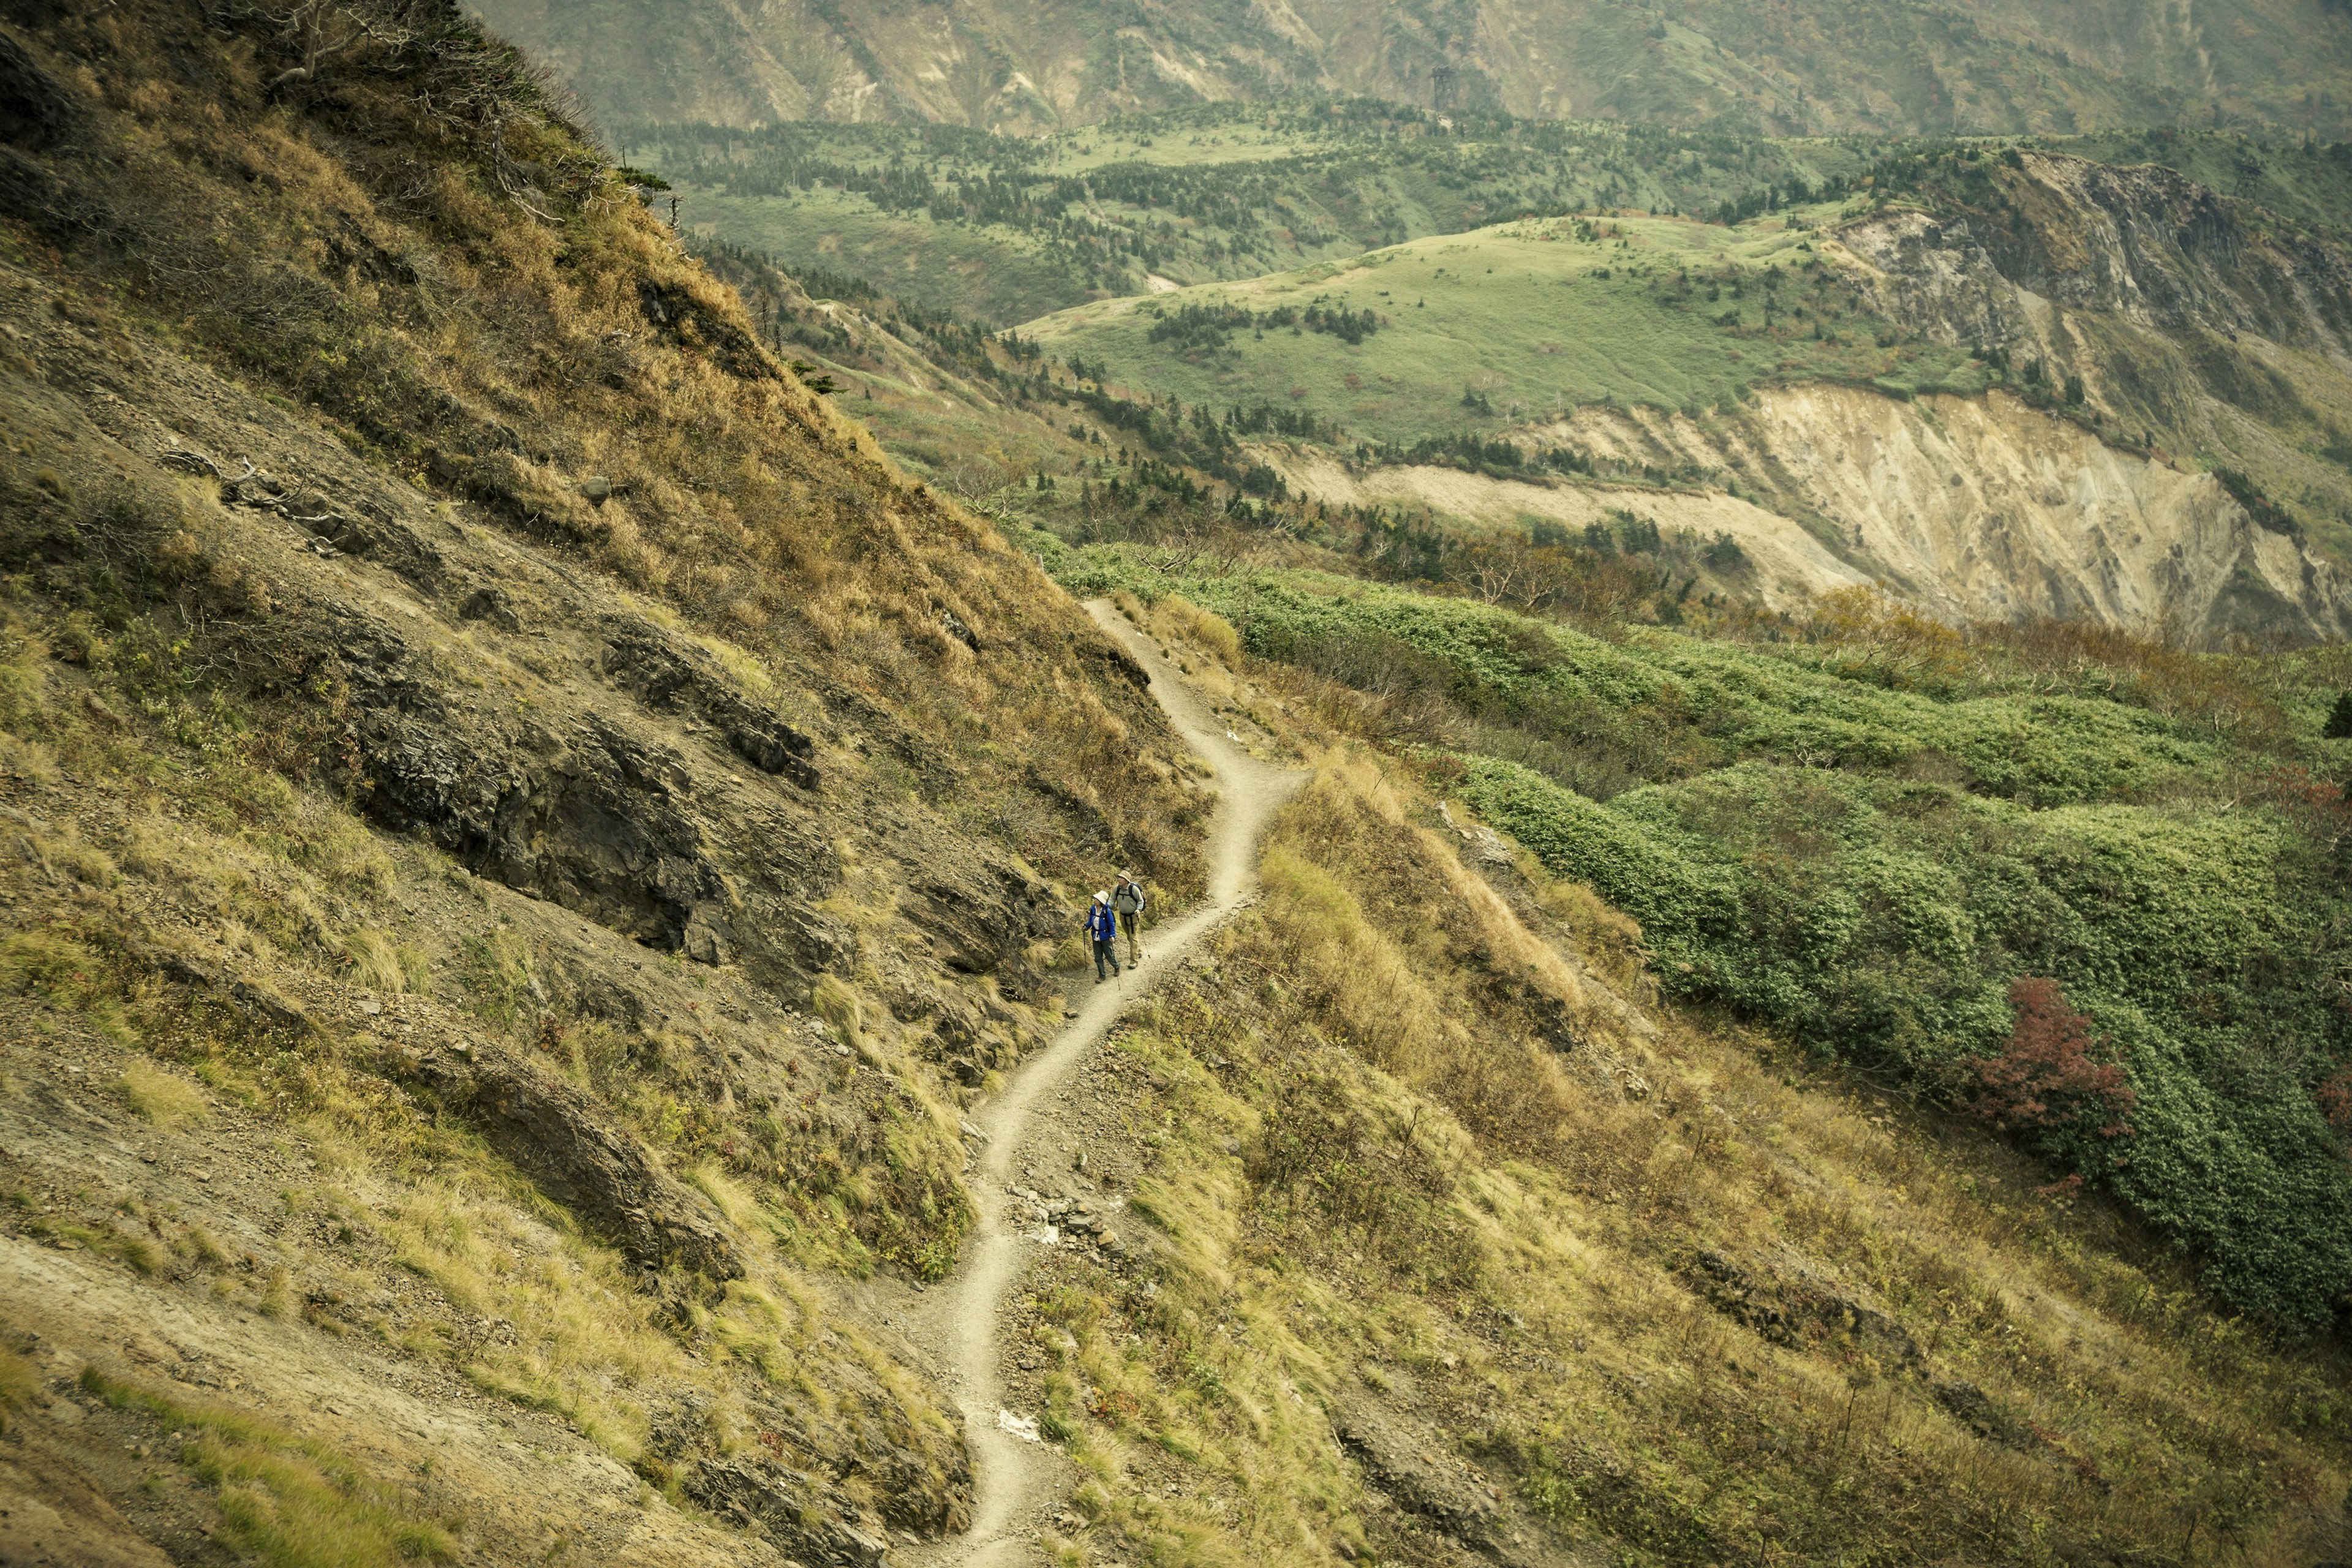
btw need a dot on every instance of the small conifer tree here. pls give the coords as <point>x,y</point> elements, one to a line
<point>2339,719</point>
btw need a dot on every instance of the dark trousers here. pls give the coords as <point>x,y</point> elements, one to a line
<point>1106,952</point>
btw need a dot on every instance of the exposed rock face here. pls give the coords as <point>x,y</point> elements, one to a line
<point>1975,1410</point>
<point>780,1502</point>
<point>2146,243</point>
<point>667,677</point>
<point>1984,508</point>
<point>983,911</point>
<point>1936,279</point>
<point>1971,508</point>
<point>1414,1470</point>
<point>553,1132</point>
<point>595,816</point>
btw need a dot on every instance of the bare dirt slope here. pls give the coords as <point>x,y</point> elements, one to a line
<point>1015,1480</point>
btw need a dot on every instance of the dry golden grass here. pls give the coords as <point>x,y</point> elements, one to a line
<point>161,1096</point>
<point>745,506</point>
<point>521,1300</point>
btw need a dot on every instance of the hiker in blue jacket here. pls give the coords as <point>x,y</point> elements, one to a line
<point>1103,926</point>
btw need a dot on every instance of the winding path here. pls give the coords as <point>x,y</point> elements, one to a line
<point>1011,1477</point>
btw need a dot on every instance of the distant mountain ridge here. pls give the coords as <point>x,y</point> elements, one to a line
<point>1815,67</point>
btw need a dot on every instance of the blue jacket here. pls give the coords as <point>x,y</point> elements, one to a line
<point>1101,924</point>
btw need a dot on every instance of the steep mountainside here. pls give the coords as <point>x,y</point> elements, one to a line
<point>535,856</point>
<point>1823,66</point>
<point>524,829</point>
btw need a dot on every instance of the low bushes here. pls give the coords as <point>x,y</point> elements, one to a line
<point>1868,834</point>
<point>1909,926</point>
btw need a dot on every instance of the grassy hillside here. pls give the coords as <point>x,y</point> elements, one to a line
<point>1453,1253</point>
<point>527,836</point>
<point>498,770</point>
<point>1864,837</point>
<point>1817,67</point>
<point>1479,332</point>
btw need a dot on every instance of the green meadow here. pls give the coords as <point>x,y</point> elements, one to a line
<point>1480,331</point>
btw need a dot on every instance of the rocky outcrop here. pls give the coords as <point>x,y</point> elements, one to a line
<point>2144,243</point>
<point>982,911</point>
<point>1415,1471</point>
<point>1936,279</point>
<point>1797,1307</point>
<point>1988,509</point>
<point>670,677</point>
<point>783,1504</point>
<point>554,1133</point>
<point>592,817</point>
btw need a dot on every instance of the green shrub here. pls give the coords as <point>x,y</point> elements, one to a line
<point>1865,838</point>
<point>1885,921</point>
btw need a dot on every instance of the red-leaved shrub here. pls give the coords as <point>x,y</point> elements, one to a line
<point>2051,1077</point>
<point>2335,1098</point>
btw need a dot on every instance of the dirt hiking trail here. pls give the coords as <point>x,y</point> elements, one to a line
<point>1014,1477</point>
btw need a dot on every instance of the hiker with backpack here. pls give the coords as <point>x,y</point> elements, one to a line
<point>1126,902</point>
<point>1103,927</point>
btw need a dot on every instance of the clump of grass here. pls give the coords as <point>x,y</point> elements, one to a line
<point>62,852</point>
<point>19,1382</point>
<point>285,1501</point>
<point>206,1249</point>
<point>161,1096</point>
<point>496,978</point>
<point>376,962</point>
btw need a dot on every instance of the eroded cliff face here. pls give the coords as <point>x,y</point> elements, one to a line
<point>1985,508</point>
<point>2195,326</point>
<point>1971,508</point>
<point>2145,243</point>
